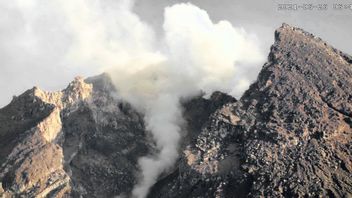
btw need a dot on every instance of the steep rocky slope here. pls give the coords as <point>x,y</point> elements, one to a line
<point>298,119</point>
<point>79,141</point>
<point>33,165</point>
<point>288,136</point>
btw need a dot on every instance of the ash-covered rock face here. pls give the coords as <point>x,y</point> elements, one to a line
<point>81,141</point>
<point>33,166</point>
<point>210,164</point>
<point>104,138</point>
<point>298,119</point>
<point>288,136</point>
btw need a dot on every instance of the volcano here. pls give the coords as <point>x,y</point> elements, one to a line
<point>289,135</point>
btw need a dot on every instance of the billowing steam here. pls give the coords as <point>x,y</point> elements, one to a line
<point>195,54</point>
<point>151,73</point>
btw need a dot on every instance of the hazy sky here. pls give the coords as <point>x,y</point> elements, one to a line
<point>263,17</point>
<point>27,59</point>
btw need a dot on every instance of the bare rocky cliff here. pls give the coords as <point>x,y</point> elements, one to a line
<point>289,135</point>
<point>32,162</point>
<point>76,142</point>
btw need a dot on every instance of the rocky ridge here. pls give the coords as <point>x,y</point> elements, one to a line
<point>34,166</point>
<point>55,154</point>
<point>288,136</point>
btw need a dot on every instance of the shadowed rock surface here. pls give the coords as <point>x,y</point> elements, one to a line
<point>288,136</point>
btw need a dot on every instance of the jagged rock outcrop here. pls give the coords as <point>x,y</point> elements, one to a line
<point>103,140</point>
<point>288,136</point>
<point>77,142</point>
<point>32,166</point>
<point>197,111</point>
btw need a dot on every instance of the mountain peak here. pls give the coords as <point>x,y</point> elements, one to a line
<point>287,30</point>
<point>295,45</point>
<point>294,120</point>
<point>77,90</point>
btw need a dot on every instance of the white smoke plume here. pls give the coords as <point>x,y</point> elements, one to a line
<point>195,54</point>
<point>151,73</point>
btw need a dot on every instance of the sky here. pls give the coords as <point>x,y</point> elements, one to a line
<point>27,61</point>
